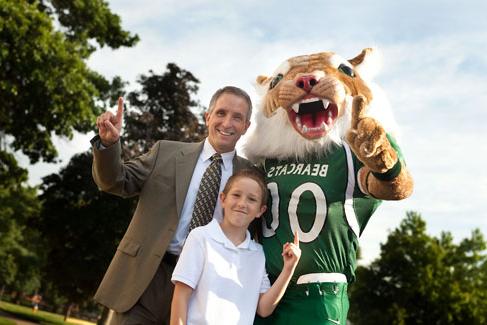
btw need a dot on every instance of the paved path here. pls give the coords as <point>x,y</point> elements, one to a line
<point>16,320</point>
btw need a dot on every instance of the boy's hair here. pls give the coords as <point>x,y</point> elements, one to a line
<point>252,173</point>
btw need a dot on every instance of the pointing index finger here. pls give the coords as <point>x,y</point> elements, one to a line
<point>296,238</point>
<point>120,109</point>
<point>359,108</point>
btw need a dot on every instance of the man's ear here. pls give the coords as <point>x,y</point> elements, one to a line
<point>222,198</point>
<point>247,125</point>
<point>207,116</point>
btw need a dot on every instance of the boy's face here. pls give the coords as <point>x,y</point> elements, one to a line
<point>242,203</point>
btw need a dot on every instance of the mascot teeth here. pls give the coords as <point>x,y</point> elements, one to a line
<point>313,117</point>
<point>325,103</point>
<point>298,122</point>
<point>295,107</point>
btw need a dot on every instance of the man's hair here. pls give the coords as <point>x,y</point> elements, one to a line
<point>234,91</point>
<point>252,173</point>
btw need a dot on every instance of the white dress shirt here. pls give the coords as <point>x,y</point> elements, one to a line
<point>177,242</point>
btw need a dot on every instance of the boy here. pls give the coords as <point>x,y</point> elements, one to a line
<point>220,277</point>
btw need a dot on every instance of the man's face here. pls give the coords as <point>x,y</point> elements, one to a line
<point>227,122</point>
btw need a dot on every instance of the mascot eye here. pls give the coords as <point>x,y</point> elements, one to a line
<point>346,70</point>
<point>275,81</point>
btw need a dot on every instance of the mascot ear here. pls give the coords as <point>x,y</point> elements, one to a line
<point>261,79</point>
<point>367,63</point>
<point>269,105</point>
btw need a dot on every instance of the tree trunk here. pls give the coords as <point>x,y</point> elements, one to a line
<point>68,312</point>
<point>16,297</point>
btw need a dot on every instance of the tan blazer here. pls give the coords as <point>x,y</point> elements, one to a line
<point>161,178</point>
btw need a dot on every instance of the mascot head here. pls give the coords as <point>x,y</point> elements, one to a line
<point>306,104</point>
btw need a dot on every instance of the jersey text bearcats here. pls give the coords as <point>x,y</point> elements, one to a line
<point>320,199</point>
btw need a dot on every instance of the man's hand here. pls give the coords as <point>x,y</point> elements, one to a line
<point>368,139</point>
<point>291,253</point>
<point>109,125</point>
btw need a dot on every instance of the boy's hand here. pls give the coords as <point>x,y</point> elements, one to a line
<point>291,253</point>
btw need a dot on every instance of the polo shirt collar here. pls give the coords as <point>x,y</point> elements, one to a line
<point>216,233</point>
<point>209,151</point>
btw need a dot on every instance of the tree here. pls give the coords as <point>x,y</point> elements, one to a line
<point>162,110</point>
<point>419,279</point>
<point>19,256</point>
<point>46,87</point>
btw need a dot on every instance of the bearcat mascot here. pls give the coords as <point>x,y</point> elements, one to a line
<point>324,139</point>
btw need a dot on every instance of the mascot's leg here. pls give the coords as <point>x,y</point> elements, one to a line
<point>312,303</point>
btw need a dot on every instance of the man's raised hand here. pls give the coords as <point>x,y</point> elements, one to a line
<point>109,125</point>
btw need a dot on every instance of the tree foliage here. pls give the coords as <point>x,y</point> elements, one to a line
<point>162,109</point>
<point>46,87</point>
<point>19,206</point>
<point>81,226</point>
<point>420,279</point>
<point>91,19</point>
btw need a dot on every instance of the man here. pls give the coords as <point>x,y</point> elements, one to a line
<point>167,179</point>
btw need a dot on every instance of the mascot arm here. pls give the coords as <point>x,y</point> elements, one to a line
<point>384,175</point>
<point>398,188</point>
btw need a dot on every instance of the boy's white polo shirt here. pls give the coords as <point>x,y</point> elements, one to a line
<point>227,279</point>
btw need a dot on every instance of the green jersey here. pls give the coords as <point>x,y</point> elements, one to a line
<point>319,198</point>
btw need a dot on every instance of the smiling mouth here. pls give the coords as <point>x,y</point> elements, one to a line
<point>225,133</point>
<point>313,117</point>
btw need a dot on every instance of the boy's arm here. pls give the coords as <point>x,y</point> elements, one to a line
<point>186,275</point>
<point>179,305</point>
<point>268,301</point>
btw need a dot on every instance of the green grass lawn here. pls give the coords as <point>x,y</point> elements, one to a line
<point>5,321</point>
<point>26,313</point>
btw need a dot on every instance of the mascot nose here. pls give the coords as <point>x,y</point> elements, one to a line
<point>306,82</point>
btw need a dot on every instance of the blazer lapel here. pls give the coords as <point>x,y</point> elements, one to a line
<point>185,163</point>
<point>238,163</point>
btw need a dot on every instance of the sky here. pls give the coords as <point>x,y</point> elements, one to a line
<point>434,72</point>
